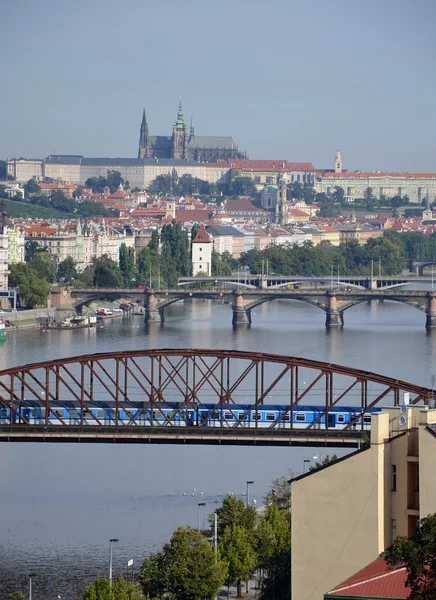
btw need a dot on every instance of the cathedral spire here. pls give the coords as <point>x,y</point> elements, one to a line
<point>191,129</point>
<point>143,138</point>
<point>180,123</point>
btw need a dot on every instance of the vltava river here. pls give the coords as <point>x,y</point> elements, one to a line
<point>60,504</point>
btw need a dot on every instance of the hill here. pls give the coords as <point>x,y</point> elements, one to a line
<point>24,209</point>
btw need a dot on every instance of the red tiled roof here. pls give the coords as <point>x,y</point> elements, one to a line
<point>375,174</point>
<point>242,205</point>
<point>39,230</point>
<point>202,236</point>
<point>296,212</point>
<point>375,581</point>
<point>264,165</point>
<point>198,215</point>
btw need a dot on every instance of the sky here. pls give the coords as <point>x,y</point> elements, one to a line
<point>287,79</point>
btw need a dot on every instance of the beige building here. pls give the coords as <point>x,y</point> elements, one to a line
<point>344,515</point>
<point>140,172</point>
<point>416,186</point>
<point>16,239</point>
<point>360,235</point>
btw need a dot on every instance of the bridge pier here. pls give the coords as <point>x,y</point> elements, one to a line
<point>430,321</point>
<point>241,316</point>
<point>152,313</point>
<point>334,317</point>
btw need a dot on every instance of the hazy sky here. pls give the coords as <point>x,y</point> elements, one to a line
<point>288,79</point>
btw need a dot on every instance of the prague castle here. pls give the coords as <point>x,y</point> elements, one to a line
<point>184,144</point>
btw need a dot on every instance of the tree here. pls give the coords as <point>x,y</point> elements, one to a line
<point>273,548</point>
<point>127,265</point>
<point>185,569</point>
<point>44,266</point>
<point>31,248</point>
<point>3,169</point>
<point>418,555</point>
<point>107,272</point>
<point>243,186</point>
<point>234,512</point>
<point>67,269</point>
<point>280,493</point>
<point>237,550</point>
<point>338,194</point>
<point>31,187</point>
<point>100,589</point>
<point>32,289</point>
<point>114,180</point>
<point>17,596</point>
<point>294,191</point>
<point>324,462</point>
<point>60,202</point>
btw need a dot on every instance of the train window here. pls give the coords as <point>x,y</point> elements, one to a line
<point>270,417</point>
<point>367,419</point>
<point>60,413</point>
<point>228,415</point>
<point>4,413</point>
<point>214,416</point>
<point>341,419</point>
<point>35,413</point>
<point>157,414</point>
<point>243,416</point>
<point>43,412</point>
<point>286,417</point>
<point>170,414</point>
<point>300,417</point>
<point>101,414</point>
<point>74,414</point>
<point>256,417</point>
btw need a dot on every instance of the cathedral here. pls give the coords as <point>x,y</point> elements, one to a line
<point>183,144</point>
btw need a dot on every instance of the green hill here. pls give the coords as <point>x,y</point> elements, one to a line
<point>24,209</point>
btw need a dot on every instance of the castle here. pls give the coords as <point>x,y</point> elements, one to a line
<point>183,144</point>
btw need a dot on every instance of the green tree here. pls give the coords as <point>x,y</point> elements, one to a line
<point>237,550</point>
<point>33,290</point>
<point>234,512</point>
<point>185,569</point>
<point>107,272</point>
<point>44,266</point>
<point>114,180</point>
<point>96,183</point>
<point>324,462</point>
<point>31,248</point>
<point>418,555</point>
<point>294,191</point>
<point>31,187</point>
<point>17,596</point>
<point>3,169</point>
<point>280,493</point>
<point>67,269</point>
<point>338,194</point>
<point>127,265</point>
<point>60,202</point>
<point>243,186</point>
<point>161,185</point>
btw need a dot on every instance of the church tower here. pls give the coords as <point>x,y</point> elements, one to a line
<point>281,216</point>
<point>143,138</point>
<point>180,136</point>
<point>338,162</point>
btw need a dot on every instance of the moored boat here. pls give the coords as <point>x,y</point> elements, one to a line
<point>2,330</point>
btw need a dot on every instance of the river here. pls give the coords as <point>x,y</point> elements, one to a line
<point>60,504</point>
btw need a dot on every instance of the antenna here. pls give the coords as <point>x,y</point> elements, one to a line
<point>402,421</point>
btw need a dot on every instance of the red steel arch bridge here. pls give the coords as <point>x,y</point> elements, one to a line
<point>155,396</point>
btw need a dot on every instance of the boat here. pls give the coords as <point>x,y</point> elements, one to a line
<point>2,330</point>
<point>79,322</point>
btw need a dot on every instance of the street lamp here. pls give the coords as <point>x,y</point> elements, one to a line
<point>247,499</point>
<point>111,541</point>
<point>306,461</point>
<point>30,584</point>
<point>200,504</point>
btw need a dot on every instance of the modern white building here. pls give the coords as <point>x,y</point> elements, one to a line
<point>4,256</point>
<point>202,253</point>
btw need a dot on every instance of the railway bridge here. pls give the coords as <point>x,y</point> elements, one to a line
<point>105,397</point>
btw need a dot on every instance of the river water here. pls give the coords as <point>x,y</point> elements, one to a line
<point>60,504</point>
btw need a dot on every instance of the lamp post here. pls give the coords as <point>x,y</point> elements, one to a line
<point>247,498</point>
<point>200,504</point>
<point>30,584</point>
<point>306,461</point>
<point>111,541</point>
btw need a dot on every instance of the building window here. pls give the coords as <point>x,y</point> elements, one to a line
<point>394,478</point>
<point>394,530</point>
<point>200,249</point>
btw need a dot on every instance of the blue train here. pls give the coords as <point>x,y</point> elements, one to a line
<point>202,415</point>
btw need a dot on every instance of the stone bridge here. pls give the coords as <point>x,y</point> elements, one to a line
<point>333,302</point>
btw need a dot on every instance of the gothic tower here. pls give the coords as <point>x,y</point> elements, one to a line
<point>338,162</point>
<point>180,136</point>
<point>143,138</point>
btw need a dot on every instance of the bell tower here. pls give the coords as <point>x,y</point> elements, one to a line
<point>338,162</point>
<point>180,135</point>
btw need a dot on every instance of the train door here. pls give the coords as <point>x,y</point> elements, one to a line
<point>331,421</point>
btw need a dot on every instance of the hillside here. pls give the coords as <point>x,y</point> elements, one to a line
<point>24,209</point>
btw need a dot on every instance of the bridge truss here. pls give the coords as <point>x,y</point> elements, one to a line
<point>134,382</point>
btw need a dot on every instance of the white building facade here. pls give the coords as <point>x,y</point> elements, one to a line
<point>202,253</point>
